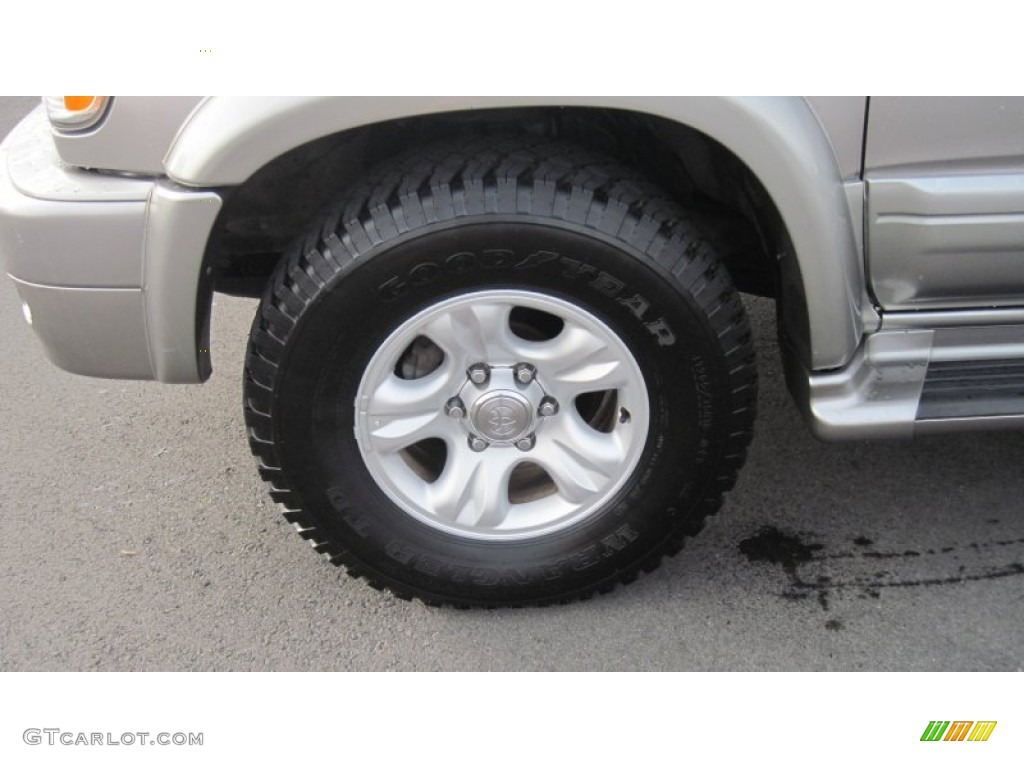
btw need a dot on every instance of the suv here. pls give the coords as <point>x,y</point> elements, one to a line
<point>500,355</point>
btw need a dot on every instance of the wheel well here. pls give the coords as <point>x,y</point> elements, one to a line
<point>281,200</point>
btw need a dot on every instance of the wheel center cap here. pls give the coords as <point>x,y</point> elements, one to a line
<point>502,416</point>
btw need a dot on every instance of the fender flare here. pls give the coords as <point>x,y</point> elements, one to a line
<point>227,139</point>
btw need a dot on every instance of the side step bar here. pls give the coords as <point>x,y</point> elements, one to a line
<point>972,388</point>
<point>906,382</point>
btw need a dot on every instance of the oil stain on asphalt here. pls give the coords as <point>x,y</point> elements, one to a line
<point>814,570</point>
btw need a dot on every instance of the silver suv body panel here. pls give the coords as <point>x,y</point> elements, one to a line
<point>106,266</point>
<point>945,191</point>
<point>133,137</point>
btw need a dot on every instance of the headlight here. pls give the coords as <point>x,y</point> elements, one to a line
<point>75,113</point>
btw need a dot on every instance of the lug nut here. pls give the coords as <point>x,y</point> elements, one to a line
<point>479,373</point>
<point>548,406</point>
<point>526,443</point>
<point>455,408</point>
<point>525,373</point>
<point>477,443</point>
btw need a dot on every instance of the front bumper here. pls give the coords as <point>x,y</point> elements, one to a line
<point>108,266</point>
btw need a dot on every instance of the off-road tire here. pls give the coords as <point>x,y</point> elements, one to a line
<point>502,214</point>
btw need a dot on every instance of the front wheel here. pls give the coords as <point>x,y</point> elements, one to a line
<point>507,373</point>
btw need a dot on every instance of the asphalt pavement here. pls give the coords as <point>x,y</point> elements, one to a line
<point>136,535</point>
